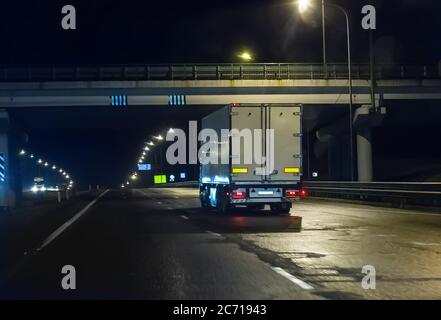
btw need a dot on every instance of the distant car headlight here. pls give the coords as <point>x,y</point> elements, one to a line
<point>34,189</point>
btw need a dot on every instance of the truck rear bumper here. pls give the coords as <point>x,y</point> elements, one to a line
<point>262,200</point>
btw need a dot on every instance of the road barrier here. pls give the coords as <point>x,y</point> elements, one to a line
<point>182,184</point>
<point>232,71</point>
<point>397,193</point>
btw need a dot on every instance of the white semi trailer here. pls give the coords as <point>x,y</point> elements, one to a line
<point>273,176</point>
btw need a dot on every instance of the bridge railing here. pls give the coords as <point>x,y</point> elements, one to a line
<point>400,193</point>
<point>251,71</point>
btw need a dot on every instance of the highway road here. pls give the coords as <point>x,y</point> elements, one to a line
<point>158,244</point>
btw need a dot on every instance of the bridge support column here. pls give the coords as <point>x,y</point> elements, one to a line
<point>7,193</point>
<point>364,120</point>
<point>364,155</point>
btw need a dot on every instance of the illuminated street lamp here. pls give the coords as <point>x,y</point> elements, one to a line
<point>171,130</point>
<point>160,138</point>
<point>54,167</point>
<point>22,152</point>
<point>40,161</point>
<point>246,56</point>
<point>146,148</point>
<point>46,164</point>
<point>303,5</point>
<point>31,156</point>
<point>150,143</point>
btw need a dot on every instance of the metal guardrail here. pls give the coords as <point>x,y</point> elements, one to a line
<point>182,184</point>
<point>251,71</point>
<point>418,193</point>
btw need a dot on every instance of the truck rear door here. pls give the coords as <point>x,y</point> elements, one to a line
<point>286,123</point>
<point>247,118</point>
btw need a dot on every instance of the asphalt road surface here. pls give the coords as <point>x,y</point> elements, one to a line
<point>158,244</point>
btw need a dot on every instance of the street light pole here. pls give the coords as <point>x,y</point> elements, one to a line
<point>303,6</point>
<point>325,66</point>
<point>351,129</point>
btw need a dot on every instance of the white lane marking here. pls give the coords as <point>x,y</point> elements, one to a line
<point>67,224</point>
<point>159,202</point>
<point>185,217</point>
<point>302,284</point>
<point>169,208</point>
<point>214,233</point>
<point>426,243</point>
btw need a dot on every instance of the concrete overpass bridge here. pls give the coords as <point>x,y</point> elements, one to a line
<point>213,84</point>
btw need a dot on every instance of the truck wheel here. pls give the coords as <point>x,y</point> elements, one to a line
<point>203,203</point>
<point>282,209</point>
<point>203,198</point>
<point>222,204</point>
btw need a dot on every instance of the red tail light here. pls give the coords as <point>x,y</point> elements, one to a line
<point>291,193</point>
<point>239,195</point>
<point>303,193</point>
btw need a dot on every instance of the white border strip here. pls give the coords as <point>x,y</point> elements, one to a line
<point>67,224</point>
<point>302,284</point>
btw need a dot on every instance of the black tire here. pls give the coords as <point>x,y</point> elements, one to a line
<point>203,199</point>
<point>222,205</point>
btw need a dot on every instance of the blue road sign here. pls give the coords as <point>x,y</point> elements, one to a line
<point>144,167</point>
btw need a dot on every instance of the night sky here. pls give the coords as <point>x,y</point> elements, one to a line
<point>210,31</point>
<point>102,148</point>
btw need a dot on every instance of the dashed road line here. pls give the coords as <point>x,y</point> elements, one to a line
<point>185,217</point>
<point>302,284</point>
<point>426,243</point>
<point>214,233</point>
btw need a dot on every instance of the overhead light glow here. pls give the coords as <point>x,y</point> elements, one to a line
<point>303,5</point>
<point>246,56</point>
